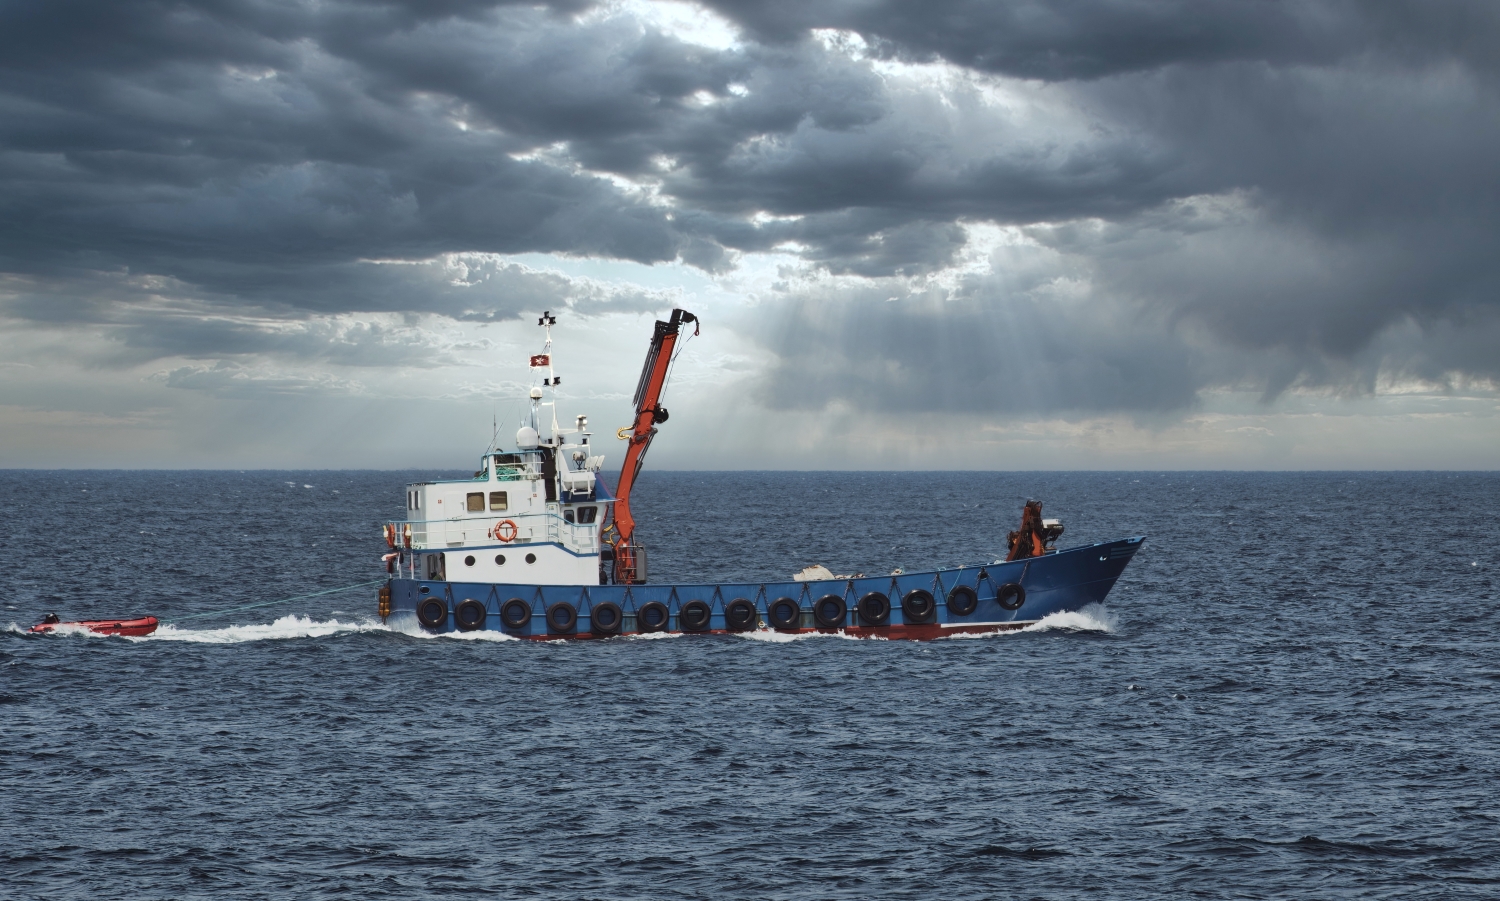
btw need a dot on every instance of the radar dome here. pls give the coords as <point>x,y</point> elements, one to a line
<point>527,438</point>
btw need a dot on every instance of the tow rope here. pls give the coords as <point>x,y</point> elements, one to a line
<point>300,597</point>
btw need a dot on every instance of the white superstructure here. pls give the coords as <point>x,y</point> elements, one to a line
<point>533,515</point>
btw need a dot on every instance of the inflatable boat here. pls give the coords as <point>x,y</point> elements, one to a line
<point>144,625</point>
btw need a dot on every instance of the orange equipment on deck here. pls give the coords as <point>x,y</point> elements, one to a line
<point>1036,536</point>
<point>1027,541</point>
<point>629,562</point>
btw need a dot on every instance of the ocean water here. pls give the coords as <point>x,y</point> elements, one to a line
<point>1290,694</point>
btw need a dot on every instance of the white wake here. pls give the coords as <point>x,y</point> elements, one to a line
<point>1093,618</point>
<point>284,628</point>
<point>774,637</point>
<point>291,626</point>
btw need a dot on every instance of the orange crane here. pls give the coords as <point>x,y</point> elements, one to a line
<point>629,558</point>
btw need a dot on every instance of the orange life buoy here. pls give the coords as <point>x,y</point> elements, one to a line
<point>390,534</point>
<point>406,534</point>
<point>505,530</point>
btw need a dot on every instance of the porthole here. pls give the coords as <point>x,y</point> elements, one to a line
<point>499,559</point>
<point>531,558</point>
<point>469,560</point>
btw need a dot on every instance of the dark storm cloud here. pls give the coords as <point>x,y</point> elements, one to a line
<point>1252,191</point>
<point>1072,325</point>
<point>1068,39</point>
<point>966,353</point>
<point>234,381</point>
<point>1357,150</point>
<point>210,140</point>
<point>206,142</point>
<point>296,317</point>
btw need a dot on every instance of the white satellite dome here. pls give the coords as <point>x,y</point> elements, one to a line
<point>527,438</point>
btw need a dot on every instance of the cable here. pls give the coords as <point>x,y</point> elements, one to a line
<point>299,597</point>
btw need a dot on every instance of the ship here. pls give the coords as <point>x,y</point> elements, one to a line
<point>536,545</point>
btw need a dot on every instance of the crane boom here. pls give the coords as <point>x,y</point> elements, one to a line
<point>648,412</point>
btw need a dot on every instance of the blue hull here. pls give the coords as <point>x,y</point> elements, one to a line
<point>1063,581</point>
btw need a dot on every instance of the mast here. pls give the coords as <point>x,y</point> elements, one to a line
<point>648,412</point>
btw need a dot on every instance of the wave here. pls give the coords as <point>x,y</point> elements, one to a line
<point>774,637</point>
<point>284,628</point>
<point>59,629</point>
<point>1092,618</point>
<point>306,627</point>
<point>649,636</point>
<point>291,626</point>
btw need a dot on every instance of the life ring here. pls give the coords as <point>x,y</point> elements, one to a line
<point>695,616</point>
<point>562,617</point>
<point>962,600</point>
<point>740,615</point>
<point>1011,596</point>
<point>390,534</point>
<point>918,607</point>
<point>406,534</point>
<point>874,609</point>
<point>652,616</point>
<point>505,530</point>
<point>515,614</point>
<point>606,618</point>
<point>470,615</point>
<point>829,611</point>
<point>784,613</point>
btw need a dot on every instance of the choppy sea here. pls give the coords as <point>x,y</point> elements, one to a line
<point>1291,693</point>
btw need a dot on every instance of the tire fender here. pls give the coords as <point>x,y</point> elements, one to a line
<point>962,600</point>
<point>470,615</point>
<point>918,607</point>
<point>829,611</point>
<point>784,613</point>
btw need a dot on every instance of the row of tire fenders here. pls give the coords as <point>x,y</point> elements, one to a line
<point>918,607</point>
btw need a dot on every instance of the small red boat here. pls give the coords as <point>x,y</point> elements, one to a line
<point>144,625</point>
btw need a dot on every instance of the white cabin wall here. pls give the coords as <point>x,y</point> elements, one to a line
<point>553,566</point>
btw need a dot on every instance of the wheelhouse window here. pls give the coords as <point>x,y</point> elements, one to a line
<point>568,514</point>
<point>475,502</point>
<point>499,500</point>
<point>587,514</point>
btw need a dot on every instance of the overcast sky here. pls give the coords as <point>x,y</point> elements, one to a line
<point>963,235</point>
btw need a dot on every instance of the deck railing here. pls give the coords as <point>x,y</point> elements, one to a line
<point>470,531</point>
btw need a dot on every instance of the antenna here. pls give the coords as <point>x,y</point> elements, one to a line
<point>543,360</point>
